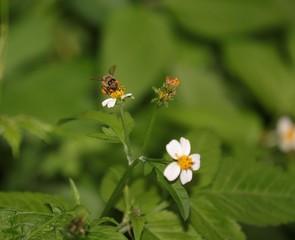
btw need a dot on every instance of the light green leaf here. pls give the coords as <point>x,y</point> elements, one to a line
<point>153,45</point>
<point>11,133</point>
<point>138,226</point>
<point>260,67</point>
<point>75,191</point>
<point>166,225</point>
<point>176,190</point>
<point>104,232</point>
<point>211,223</point>
<point>252,192</point>
<point>36,127</point>
<point>223,19</point>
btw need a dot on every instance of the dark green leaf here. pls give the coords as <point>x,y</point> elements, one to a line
<point>176,190</point>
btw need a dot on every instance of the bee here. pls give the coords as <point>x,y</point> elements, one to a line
<point>109,83</point>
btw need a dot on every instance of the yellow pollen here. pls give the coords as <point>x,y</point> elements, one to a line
<point>290,134</point>
<point>185,162</point>
<point>118,93</point>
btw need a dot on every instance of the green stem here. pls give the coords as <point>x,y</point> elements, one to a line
<point>149,131</point>
<point>117,191</point>
<point>127,146</point>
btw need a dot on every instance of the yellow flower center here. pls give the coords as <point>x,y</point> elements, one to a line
<point>118,93</point>
<point>185,162</point>
<point>289,135</point>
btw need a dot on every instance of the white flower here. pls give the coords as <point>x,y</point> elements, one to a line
<point>286,134</point>
<point>184,164</point>
<point>110,102</point>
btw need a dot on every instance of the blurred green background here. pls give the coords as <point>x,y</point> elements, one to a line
<point>235,60</point>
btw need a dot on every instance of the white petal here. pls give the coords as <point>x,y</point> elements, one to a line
<point>174,149</point>
<point>284,124</point>
<point>196,161</point>
<point>186,146</point>
<point>186,176</point>
<point>127,96</point>
<point>110,102</point>
<point>105,102</point>
<point>172,171</point>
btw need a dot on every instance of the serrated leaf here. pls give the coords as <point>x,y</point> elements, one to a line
<point>252,192</point>
<point>176,190</point>
<point>138,226</point>
<point>223,19</point>
<point>211,223</point>
<point>166,225</point>
<point>35,216</point>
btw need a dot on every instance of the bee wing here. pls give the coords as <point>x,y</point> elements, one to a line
<point>112,69</point>
<point>97,78</point>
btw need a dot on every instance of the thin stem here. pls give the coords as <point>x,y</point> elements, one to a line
<point>149,131</point>
<point>127,146</point>
<point>117,191</point>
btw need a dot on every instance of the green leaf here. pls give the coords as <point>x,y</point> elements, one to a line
<point>32,93</point>
<point>23,47</point>
<point>104,137</point>
<point>260,67</point>
<point>176,190</point>
<point>104,232</point>
<point>226,18</point>
<point>36,127</point>
<point>139,192</point>
<point>208,146</point>
<point>252,192</point>
<point>138,226</point>
<point>166,225</point>
<point>11,133</point>
<point>75,192</point>
<point>212,223</point>
<point>105,118</point>
<point>35,216</point>
<point>153,44</point>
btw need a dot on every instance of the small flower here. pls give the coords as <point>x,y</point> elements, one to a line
<point>167,92</point>
<point>286,134</point>
<point>116,95</point>
<point>184,164</point>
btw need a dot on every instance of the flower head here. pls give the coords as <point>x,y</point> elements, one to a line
<point>167,92</point>
<point>286,134</point>
<point>117,95</point>
<point>185,162</point>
